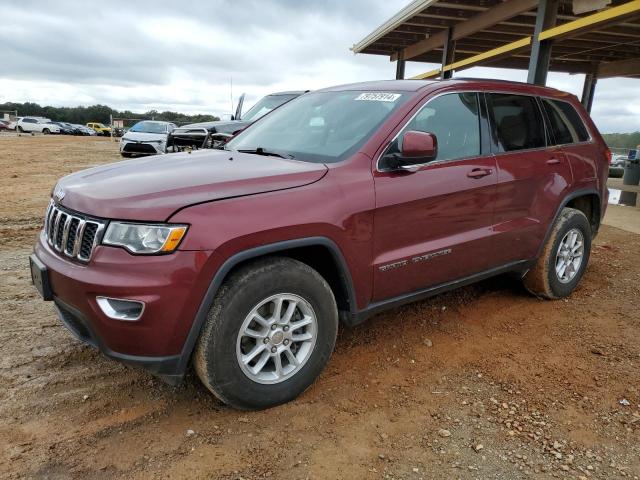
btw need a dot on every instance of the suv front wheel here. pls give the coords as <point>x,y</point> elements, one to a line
<point>564,257</point>
<point>268,335</point>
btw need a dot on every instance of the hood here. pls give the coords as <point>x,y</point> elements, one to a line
<point>144,137</point>
<point>153,188</point>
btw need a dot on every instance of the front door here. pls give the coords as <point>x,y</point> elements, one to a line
<point>434,225</point>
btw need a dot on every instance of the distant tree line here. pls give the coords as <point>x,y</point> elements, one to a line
<point>98,113</point>
<point>622,140</point>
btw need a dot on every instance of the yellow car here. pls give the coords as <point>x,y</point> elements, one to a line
<point>100,128</point>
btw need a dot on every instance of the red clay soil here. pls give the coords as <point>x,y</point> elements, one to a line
<point>485,382</point>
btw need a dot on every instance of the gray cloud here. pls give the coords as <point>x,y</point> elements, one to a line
<point>181,55</point>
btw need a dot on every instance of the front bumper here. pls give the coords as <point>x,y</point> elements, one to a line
<point>171,286</point>
<point>142,148</point>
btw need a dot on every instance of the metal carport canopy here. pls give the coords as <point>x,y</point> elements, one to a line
<point>600,38</point>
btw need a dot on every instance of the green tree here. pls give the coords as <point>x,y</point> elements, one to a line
<point>98,113</point>
<point>622,140</point>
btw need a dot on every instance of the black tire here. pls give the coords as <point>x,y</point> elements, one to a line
<point>616,172</point>
<point>46,131</point>
<point>20,129</point>
<point>215,359</point>
<point>542,280</point>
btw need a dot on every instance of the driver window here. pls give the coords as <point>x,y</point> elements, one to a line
<point>455,121</point>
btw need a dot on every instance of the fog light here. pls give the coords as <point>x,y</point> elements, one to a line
<point>121,309</point>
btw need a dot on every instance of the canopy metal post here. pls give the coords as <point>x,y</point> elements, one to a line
<point>541,49</point>
<point>588,90</point>
<point>448,54</point>
<point>400,66</point>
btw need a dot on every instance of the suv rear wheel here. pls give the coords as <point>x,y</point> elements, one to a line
<point>268,335</point>
<point>564,257</point>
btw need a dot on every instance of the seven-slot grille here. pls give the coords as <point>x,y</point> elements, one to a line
<point>72,234</point>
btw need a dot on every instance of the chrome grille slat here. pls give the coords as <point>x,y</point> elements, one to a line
<point>71,237</point>
<point>79,234</point>
<point>56,228</point>
<point>47,218</point>
<point>52,222</point>
<point>65,233</point>
<point>90,237</point>
<point>68,234</point>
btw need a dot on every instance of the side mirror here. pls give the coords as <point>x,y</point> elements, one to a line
<point>419,145</point>
<point>417,148</point>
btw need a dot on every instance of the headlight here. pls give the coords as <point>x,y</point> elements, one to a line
<point>144,239</point>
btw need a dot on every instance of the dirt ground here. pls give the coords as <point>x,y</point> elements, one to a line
<point>483,383</point>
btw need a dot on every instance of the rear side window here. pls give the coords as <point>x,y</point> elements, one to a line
<point>566,124</point>
<point>517,122</point>
<point>455,122</point>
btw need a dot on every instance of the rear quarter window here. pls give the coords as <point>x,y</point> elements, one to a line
<point>566,124</point>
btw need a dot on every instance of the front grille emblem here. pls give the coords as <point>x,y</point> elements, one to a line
<point>58,195</point>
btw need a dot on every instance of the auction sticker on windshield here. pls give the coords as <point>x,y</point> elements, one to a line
<point>378,96</point>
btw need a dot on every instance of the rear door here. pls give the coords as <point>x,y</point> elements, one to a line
<point>533,175</point>
<point>433,225</point>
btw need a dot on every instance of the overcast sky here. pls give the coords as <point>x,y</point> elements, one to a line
<point>143,55</point>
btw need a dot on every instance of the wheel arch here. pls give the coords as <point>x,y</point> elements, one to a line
<point>588,201</point>
<point>589,204</point>
<point>320,253</point>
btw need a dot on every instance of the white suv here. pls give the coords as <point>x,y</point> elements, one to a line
<point>38,125</point>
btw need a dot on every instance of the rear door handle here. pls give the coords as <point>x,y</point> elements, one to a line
<point>553,161</point>
<point>479,172</point>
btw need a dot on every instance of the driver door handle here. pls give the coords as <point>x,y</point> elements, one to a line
<point>479,172</point>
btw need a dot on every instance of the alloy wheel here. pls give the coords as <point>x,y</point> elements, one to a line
<point>569,255</point>
<point>277,338</point>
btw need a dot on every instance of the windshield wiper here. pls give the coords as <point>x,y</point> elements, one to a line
<point>267,153</point>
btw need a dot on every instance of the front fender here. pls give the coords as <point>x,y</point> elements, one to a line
<point>256,252</point>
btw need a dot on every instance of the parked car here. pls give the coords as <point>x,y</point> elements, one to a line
<point>340,204</point>
<point>65,128</point>
<point>37,125</point>
<point>77,129</point>
<point>74,129</point>
<point>100,128</point>
<point>84,130</point>
<point>148,137</point>
<point>215,134</point>
<point>14,124</point>
<point>619,160</point>
<point>4,125</point>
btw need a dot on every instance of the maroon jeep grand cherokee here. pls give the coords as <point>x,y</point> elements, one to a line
<point>341,203</point>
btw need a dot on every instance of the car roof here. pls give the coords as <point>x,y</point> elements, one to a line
<point>481,84</point>
<point>382,85</point>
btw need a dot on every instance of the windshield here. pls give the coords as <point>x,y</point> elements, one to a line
<point>149,127</point>
<point>264,106</point>
<point>320,127</point>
